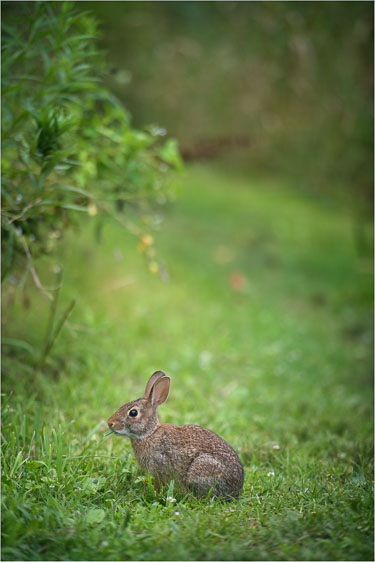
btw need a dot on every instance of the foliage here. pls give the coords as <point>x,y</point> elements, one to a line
<point>278,364</point>
<point>68,146</point>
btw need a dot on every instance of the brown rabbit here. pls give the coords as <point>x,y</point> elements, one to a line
<point>195,457</point>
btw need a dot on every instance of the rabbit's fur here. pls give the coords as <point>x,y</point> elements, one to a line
<point>195,457</point>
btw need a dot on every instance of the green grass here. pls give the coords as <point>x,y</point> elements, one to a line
<point>278,364</point>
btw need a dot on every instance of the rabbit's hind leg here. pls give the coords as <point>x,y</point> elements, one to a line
<point>207,473</point>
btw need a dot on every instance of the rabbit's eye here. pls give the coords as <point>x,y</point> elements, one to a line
<point>133,413</point>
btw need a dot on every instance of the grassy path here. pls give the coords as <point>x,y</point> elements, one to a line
<point>265,327</point>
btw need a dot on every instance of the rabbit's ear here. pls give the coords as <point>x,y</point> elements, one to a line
<point>155,377</point>
<point>160,391</point>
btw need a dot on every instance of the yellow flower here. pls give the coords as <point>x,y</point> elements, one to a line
<point>153,267</point>
<point>146,241</point>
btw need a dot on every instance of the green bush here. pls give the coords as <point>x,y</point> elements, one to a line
<point>68,145</point>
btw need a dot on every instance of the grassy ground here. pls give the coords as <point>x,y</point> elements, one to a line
<point>265,327</point>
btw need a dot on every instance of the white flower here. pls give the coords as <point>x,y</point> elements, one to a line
<point>104,543</point>
<point>177,513</point>
<point>271,473</point>
<point>276,446</point>
<point>170,499</point>
<point>158,131</point>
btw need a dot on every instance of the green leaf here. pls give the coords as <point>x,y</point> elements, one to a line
<point>17,463</point>
<point>170,489</point>
<point>71,207</point>
<point>94,484</point>
<point>70,188</point>
<point>169,153</point>
<point>18,343</point>
<point>33,465</point>
<point>60,205</point>
<point>94,516</point>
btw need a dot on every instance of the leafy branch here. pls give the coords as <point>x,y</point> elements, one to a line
<point>68,145</point>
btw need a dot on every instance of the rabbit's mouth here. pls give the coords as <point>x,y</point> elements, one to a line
<point>125,432</point>
<point>120,431</point>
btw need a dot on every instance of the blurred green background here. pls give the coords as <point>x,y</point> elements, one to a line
<point>261,314</point>
<point>292,78</point>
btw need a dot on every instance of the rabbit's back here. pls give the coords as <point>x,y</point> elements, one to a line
<point>194,456</point>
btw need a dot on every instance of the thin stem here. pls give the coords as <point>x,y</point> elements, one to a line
<point>24,210</point>
<point>51,318</point>
<point>61,323</point>
<point>30,262</point>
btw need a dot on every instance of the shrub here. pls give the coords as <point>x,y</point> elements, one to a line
<point>68,145</point>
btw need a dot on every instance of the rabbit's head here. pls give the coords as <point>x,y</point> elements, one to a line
<point>139,418</point>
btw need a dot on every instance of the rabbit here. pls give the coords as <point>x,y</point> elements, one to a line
<point>196,458</point>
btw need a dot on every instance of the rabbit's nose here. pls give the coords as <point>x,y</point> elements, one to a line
<point>111,423</point>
